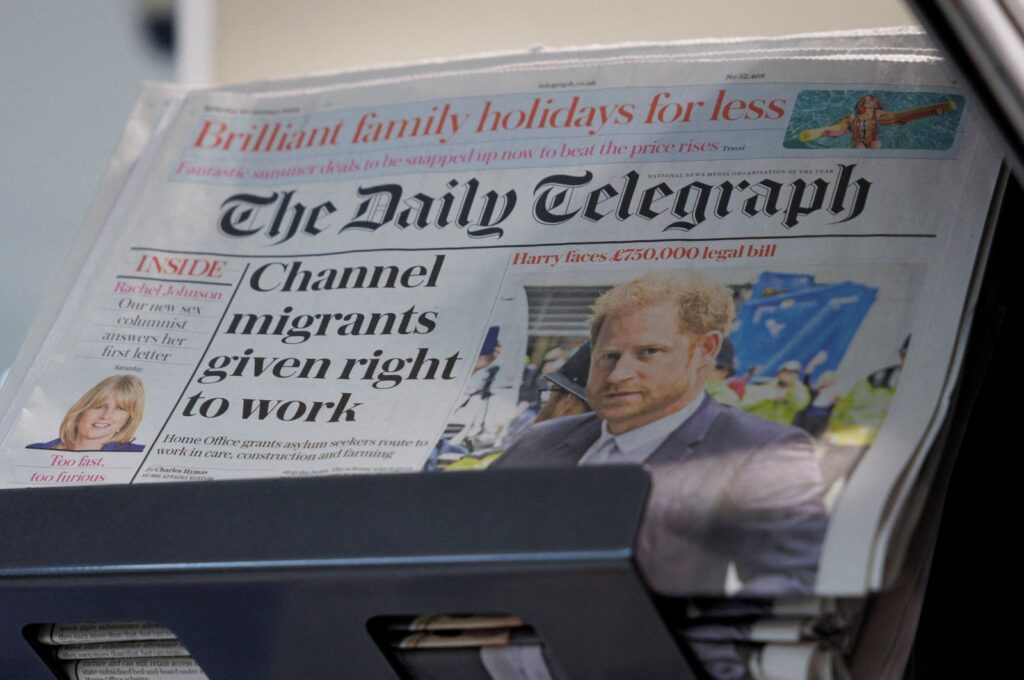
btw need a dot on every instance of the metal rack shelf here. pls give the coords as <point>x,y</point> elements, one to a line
<point>273,579</point>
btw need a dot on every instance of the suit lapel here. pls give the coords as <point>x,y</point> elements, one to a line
<point>687,436</point>
<point>577,442</point>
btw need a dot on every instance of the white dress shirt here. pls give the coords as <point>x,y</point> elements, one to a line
<point>636,446</point>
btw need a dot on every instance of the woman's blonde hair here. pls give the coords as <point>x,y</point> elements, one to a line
<point>128,394</point>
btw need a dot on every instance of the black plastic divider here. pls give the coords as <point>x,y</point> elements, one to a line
<point>276,579</point>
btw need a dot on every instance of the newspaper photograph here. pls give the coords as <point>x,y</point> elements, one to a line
<point>740,272</point>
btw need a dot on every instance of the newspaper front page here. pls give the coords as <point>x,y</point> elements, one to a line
<point>745,267</point>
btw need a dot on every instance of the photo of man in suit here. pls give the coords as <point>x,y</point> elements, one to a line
<point>728,488</point>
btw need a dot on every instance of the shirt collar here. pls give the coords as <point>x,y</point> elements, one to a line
<point>646,438</point>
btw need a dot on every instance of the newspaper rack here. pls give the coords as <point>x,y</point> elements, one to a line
<point>278,578</point>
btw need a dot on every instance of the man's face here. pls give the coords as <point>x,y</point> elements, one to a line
<point>644,367</point>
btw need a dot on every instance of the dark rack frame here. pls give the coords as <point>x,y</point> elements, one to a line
<point>275,579</point>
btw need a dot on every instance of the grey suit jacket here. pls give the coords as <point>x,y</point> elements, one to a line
<point>726,487</point>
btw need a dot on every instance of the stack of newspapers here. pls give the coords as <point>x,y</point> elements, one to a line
<point>115,649</point>
<point>748,266</point>
<point>461,646</point>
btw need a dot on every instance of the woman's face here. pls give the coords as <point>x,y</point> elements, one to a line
<point>100,423</point>
<point>867,104</point>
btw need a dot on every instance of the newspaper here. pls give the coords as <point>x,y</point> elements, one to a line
<point>122,650</point>
<point>102,632</point>
<point>142,669</point>
<point>744,265</point>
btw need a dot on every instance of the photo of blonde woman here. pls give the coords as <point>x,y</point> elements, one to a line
<point>103,419</point>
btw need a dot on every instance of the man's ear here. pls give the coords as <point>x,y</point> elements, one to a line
<point>708,345</point>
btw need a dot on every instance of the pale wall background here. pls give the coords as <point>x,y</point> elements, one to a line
<point>265,38</point>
